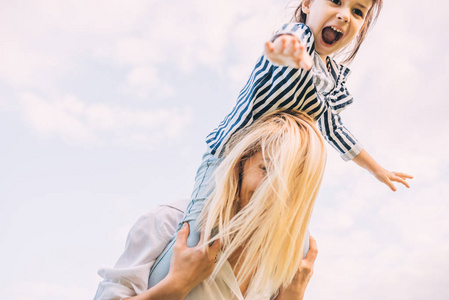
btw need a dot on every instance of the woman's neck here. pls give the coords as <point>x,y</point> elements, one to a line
<point>236,265</point>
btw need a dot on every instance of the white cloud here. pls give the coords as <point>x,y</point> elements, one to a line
<point>58,117</point>
<point>75,121</point>
<point>39,290</point>
<point>21,65</point>
<point>131,37</point>
<point>145,81</point>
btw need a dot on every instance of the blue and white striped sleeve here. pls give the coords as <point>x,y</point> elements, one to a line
<point>338,135</point>
<point>269,88</point>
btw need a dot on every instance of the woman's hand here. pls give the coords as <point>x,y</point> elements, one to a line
<point>388,177</point>
<point>287,50</point>
<point>190,266</point>
<point>297,288</point>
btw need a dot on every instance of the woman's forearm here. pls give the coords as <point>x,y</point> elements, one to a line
<point>164,290</point>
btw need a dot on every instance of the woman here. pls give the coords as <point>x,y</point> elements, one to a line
<point>264,192</point>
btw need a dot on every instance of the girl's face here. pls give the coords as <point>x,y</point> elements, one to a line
<point>253,174</point>
<point>335,23</point>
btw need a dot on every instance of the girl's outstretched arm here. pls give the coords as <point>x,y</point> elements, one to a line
<point>287,50</point>
<point>188,267</point>
<point>366,161</point>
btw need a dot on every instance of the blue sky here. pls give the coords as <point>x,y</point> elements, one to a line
<point>104,106</point>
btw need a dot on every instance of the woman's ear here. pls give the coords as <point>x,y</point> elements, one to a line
<point>306,6</point>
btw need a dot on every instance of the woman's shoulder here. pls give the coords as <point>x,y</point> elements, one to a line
<point>165,210</point>
<point>163,219</point>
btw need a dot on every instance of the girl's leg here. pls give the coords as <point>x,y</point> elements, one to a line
<point>204,185</point>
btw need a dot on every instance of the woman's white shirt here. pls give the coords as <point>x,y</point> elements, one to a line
<point>146,240</point>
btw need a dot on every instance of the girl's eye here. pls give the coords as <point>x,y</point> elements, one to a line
<point>338,2</point>
<point>263,168</point>
<point>358,12</point>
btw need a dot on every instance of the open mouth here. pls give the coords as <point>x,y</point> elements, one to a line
<point>331,35</point>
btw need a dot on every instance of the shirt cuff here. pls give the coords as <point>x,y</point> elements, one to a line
<point>351,154</point>
<point>284,33</point>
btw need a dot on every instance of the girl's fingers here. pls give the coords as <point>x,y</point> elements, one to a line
<point>290,47</point>
<point>299,48</point>
<point>269,46</point>
<point>305,61</point>
<point>390,185</point>
<point>403,175</point>
<point>401,180</point>
<point>288,51</point>
<point>279,45</point>
<point>296,46</point>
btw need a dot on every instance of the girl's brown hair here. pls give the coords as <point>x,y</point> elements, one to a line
<point>371,17</point>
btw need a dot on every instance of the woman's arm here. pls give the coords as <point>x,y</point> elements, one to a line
<point>188,267</point>
<point>146,240</point>
<point>297,289</point>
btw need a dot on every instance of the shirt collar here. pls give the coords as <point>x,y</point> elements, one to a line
<point>228,277</point>
<point>338,71</point>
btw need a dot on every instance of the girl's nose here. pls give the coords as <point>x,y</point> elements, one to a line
<point>343,15</point>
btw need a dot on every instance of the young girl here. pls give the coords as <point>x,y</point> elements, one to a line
<point>296,72</point>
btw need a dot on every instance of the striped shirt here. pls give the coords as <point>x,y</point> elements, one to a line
<point>319,92</point>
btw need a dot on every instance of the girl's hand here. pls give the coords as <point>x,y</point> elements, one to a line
<point>190,266</point>
<point>388,177</point>
<point>297,287</point>
<point>287,50</point>
<point>366,161</point>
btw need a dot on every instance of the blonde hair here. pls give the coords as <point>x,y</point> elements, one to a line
<point>272,226</point>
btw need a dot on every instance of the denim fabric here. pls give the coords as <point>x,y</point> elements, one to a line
<point>204,185</point>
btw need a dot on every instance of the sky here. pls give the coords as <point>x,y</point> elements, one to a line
<point>104,107</point>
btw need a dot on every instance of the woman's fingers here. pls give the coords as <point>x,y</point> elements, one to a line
<point>201,238</point>
<point>313,250</point>
<point>181,237</point>
<point>215,247</point>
